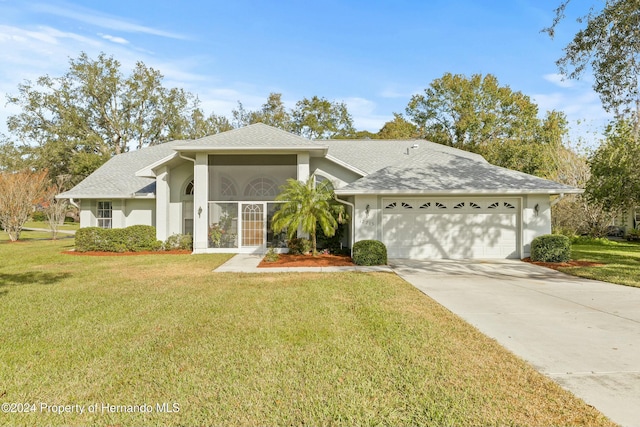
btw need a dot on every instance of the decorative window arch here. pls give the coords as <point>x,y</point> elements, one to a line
<point>188,189</point>
<point>261,187</point>
<point>227,187</point>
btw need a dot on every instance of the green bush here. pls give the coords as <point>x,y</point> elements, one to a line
<point>271,256</point>
<point>139,238</point>
<point>39,216</point>
<point>131,239</point>
<point>299,246</point>
<point>369,252</point>
<point>178,241</point>
<point>551,248</point>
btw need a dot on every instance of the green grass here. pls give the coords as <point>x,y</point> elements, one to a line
<point>621,261</point>
<point>41,224</point>
<point>242,349</point>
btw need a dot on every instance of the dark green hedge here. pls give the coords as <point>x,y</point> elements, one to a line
<point>369,252</point>
<point>131,239</point>
<point>551,248</point>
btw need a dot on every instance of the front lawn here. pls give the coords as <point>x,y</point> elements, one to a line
<point>621,261</point>
<point>164,333</point>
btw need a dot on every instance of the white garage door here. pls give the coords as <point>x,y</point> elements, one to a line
<point>451,228</point>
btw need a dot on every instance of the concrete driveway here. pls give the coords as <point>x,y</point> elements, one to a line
<point>583,334</point>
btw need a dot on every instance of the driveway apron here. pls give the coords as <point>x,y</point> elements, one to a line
<point>584,334</point>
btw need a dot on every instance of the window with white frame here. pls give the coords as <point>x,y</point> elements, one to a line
<point>104,214</point>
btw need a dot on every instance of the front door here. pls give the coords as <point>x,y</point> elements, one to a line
<point>253,225</point>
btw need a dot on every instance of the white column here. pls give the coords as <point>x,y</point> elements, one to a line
<point>200,202</point>
<point>303,167</point>
<point>162,203</point>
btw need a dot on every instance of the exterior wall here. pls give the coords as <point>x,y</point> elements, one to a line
<point>87,214</point>
<point>140,212</point>
<point>367,224</point>
<point>179,177</point>
<point>337,174</point>
<point>534,223</point>
<point>125,212</point>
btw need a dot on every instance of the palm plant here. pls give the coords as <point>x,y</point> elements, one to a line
<point>307,205</point>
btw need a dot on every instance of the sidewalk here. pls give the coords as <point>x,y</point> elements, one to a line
<point>248,263</point>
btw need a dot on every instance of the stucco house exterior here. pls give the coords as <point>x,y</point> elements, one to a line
<point>423,200</point>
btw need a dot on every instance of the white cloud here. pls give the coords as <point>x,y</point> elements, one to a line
<point>559,80</point>
<point>100,19</point>
<point>114,39</point>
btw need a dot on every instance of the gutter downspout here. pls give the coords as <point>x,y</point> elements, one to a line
<point>353,214</point>
<point>74,204</point>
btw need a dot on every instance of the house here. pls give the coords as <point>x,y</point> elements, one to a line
<point>423,200</point>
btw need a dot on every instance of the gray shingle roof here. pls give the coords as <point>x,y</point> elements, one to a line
<point>389,166</point>
<point>370,155</point>
<point>438,171</point>
<point>117,177</point>
<point>257,135</point>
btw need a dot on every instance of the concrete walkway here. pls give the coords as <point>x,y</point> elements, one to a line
<point>47,230</point>
<point>583,334</point>
<point>248,263</point>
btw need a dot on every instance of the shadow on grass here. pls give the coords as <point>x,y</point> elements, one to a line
<point>30,278</point>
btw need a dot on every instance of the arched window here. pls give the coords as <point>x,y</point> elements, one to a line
<point>228,189</point>
<point>188,190</point>
<point>261,188</point>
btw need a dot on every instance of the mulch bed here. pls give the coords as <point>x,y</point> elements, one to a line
<point>556,265</point>
<point>323,260</point>
<point>173,252</point>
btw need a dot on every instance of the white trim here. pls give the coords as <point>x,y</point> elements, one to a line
<point>513,192</point>
<point>318,150</point>
<point>147,171</point>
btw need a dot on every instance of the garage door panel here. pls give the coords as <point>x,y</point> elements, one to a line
<point>477,233</point>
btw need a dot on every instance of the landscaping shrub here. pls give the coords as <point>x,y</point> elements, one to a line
<point>131,239</point>
<point>139,238</point>
<point>299,246</point>
<point>551,248</point>
<point>39,216</point>
<point>90,239</point>
<point>369,252</point>
<point>178,241</point>
<point>271,256</point>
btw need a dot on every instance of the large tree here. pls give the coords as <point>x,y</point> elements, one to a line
<point>73,123</point>
<point>272,113</point>
<point>478,114</point>
<point>319,118</point>
<point>615,181</point>
<point>609,45</point>
<point>398,128</point>
<point>470,112</point>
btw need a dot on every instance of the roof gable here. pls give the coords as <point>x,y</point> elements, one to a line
<point>257,136</point>
<point>441,172</point>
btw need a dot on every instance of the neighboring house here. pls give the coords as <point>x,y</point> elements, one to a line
<point>423,200</point>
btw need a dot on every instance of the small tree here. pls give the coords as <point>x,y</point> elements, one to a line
<point>55,209</point>
<point>306,206</point>
<point>19,192</point>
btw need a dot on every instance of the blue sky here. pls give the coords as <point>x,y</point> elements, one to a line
<point>372,55</point>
